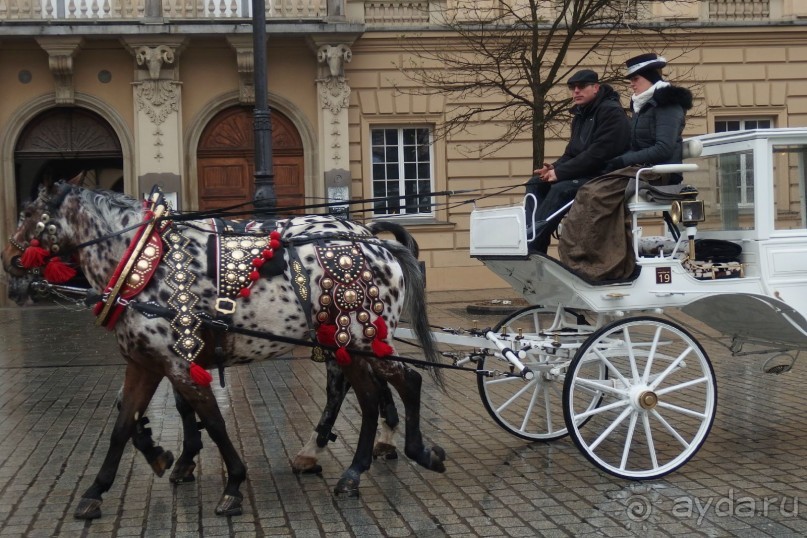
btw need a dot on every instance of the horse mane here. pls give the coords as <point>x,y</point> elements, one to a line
<point>110,206</point>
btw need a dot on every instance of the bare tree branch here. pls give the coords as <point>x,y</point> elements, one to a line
<point>504,62</point>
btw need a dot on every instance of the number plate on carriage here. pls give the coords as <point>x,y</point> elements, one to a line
<point>663,275</point>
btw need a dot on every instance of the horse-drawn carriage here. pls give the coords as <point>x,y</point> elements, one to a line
<point>599,361</point>
<point>594,360</point>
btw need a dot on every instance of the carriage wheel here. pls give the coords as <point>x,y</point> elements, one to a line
<point>658,403</point>
<point>528,409</point>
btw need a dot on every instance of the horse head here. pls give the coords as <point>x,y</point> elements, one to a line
<point>33,250</point>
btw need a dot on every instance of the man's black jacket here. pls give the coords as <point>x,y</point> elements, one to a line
<point>600,132</point>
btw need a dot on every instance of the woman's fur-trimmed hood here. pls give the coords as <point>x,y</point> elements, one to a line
<point>673,95</point>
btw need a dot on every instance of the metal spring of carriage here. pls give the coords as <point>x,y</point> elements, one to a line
<point>633,388</point>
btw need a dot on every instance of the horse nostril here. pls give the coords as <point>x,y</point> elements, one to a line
<point>16,262</point>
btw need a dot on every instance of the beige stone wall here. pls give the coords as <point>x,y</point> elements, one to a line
<point>733,73</point>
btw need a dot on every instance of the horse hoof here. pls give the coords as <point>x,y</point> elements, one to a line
<point>230,505</point>
<point>437,457</point>
<point>385,449</point>
<point>162,463</point>
<point>347,486</point>
<point>182,474</point>
<point>305,465</point>
<point>316,469</point>
<point>88,509</point>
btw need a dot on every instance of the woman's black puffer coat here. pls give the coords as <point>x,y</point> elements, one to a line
<point>656,129</point>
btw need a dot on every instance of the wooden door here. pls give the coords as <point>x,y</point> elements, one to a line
<point>226,161</point>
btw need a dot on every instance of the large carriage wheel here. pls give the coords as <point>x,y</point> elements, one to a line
<point>528,409</point>
<point>658,402</point>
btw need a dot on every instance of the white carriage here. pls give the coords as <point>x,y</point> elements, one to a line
<point>635,389</point>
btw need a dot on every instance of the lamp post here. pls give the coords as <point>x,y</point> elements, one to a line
<point>264,198</point>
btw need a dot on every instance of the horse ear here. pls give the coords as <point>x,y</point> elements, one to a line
<point>78,179</point>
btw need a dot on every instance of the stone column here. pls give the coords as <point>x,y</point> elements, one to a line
<point>159,154</point>
<point>332,119</point>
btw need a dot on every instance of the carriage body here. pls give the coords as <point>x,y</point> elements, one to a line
<point>635,389</point>
<point>754,185</point>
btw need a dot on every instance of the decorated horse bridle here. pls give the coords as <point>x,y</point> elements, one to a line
<point>38,261</point>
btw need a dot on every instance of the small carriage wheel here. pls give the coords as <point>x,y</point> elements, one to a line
<point>532,409</point>
<point>658,403</point>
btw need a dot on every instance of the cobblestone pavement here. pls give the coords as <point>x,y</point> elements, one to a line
<point>59,376</point>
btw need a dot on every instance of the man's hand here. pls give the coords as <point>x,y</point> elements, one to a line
<point>546,173</point>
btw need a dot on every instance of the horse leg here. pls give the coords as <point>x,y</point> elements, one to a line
<point>337,386</point>
<point>384,445</point>
<point>366,389</point>
<point>408,384</point>
<point>203,402</point>
<point>159,459</point>
<point>191,442</point>
<point>138,388</point>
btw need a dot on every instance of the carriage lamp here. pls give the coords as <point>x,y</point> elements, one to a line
<point>688,212</point>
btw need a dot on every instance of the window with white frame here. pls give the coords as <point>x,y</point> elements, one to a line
<point>736,175</point>
<point>402,170</point>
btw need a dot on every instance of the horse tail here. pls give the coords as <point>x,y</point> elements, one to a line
<point>399,232</point>
<point>415,300</point>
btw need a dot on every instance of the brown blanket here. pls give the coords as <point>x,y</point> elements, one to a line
<point>597,241</point>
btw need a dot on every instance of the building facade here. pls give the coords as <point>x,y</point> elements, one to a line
<point>138,92</point>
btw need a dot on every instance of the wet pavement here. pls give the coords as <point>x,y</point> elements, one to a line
<point>59,375</point>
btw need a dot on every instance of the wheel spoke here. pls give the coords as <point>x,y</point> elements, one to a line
<point>515,396</point>
<point>548,409</point>
<point>651,447</point>
<point>528,412</point>
<point>634,371</point>
<point>628,441</point>
<point>599,386</point>
<point>622,416</point>
<point>683,385</point>
<point>598,410</point>
<point>611,368</point>
<point>670,429</point>
<point>651,355</point>
<point>683,411</point>
<point>656,382</point>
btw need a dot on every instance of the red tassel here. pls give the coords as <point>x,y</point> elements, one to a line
<point>342,357</point>
<point>381,328</point>
<point>34,255</point>
<point>274,244</point>
<point>326,335</point>
<point>274,234</point>
<point>244,292</point>
<point>267,254</point>
<point>257,262</point>
<point>58,272</point>
<point>254,275</point>
<point>200,376</point>
<point>381,348</point>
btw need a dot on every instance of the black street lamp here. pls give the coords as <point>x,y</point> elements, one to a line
<point>264,198</point>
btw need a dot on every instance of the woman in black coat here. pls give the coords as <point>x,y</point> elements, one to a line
<point>659,116</point>
<point>596,242</point>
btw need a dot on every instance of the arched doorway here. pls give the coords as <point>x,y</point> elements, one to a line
<point>226,160</point>
<point>61,142</point>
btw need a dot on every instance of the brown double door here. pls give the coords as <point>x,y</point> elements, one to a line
<point>226,160</point>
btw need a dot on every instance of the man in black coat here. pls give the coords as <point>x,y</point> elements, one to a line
<point>600,132</point>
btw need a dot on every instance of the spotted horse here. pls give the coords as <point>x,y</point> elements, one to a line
<point>306,461</point>
<point>356,284</point>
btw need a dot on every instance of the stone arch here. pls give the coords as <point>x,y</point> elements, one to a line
<point>305,135</point>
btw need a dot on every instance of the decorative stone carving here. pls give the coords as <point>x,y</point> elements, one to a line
<point>334,57</point>
<point>61,51</point>
<point>245,63</point>
<point>153,58</point>
<point>157,98</point>
<point>335,94</point>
